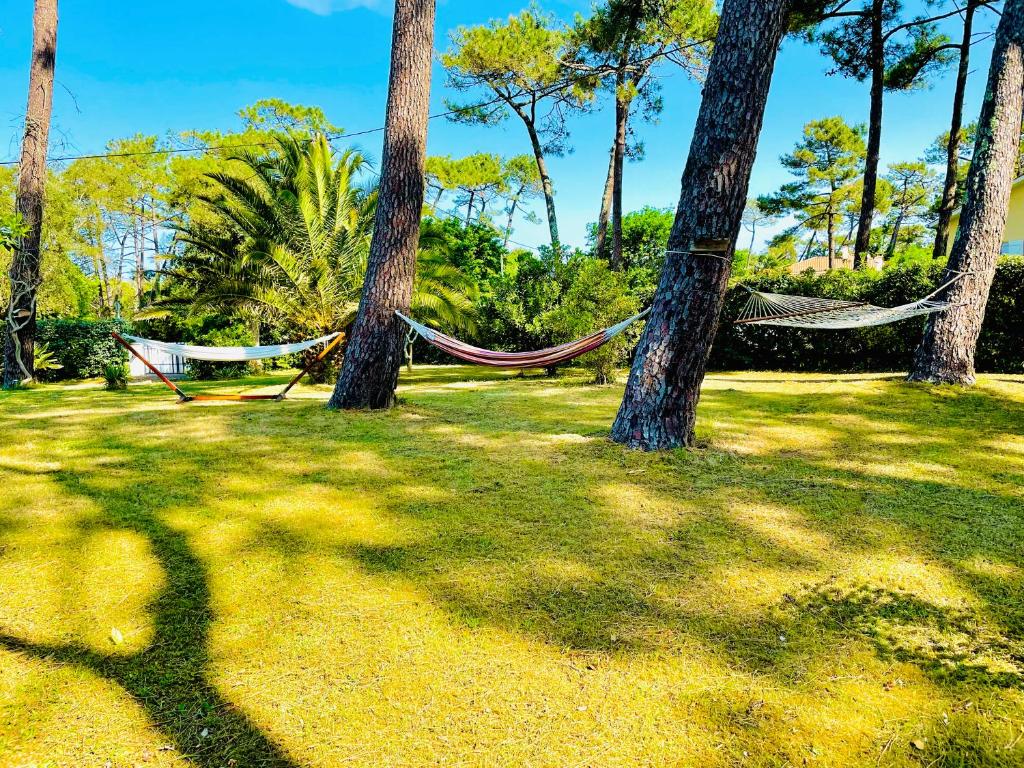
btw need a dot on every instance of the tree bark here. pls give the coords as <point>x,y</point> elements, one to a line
<point>948,201</point>
<point>25,272</point>
<point>867,201</point>
<point>545,180</point>
<point>946,353</point>
<point>508,224</point>
<point>621,121</point>
<point>893,240</point>
<point>369,371</point>
<point>831,233</point>
<point>658,409</point>
<point>606,205</point>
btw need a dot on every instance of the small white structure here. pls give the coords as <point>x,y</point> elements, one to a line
<point>167,363</point>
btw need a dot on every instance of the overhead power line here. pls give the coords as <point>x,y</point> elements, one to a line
<point>228,147</point>
<point>597,73</point>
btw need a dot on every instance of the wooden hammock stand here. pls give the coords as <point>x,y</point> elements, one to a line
<point>184,397</point>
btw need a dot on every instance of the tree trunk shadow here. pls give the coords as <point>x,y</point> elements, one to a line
<point>169,677</point>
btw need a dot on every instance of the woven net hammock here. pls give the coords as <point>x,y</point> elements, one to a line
<point>831,314</point>
<point>541,358</point>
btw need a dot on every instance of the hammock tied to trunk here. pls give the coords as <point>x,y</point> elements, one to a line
<point>230,354</point>
<point>541,358</point>
<point>832,314</point>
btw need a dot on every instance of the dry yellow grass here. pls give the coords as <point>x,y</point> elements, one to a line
<point>480,578</point>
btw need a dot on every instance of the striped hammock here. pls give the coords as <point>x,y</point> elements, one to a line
<point>541,358</point>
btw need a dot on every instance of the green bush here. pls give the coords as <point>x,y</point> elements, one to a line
<point>879,348</point>
<point>115,376</point>
<point>597,298</point>
<point>82,347</point>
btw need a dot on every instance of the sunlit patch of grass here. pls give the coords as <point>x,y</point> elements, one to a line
<point>480,577</point>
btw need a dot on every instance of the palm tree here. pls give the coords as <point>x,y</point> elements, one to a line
<point>288,243</point>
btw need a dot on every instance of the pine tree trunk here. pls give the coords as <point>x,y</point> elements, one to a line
<point>946,353</point>
<point>369,371</point>
<point>508,226</point>
<point>621,122</point>
<point>606,205</point>
<point>896,226</point>
<point>867,201</point>
<point>659,406</point>
<point>25,272</point>
<point>948,201</point>
<point>545,180</point>
<point>831,233</point>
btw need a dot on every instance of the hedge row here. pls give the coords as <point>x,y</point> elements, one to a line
<point>881,348</point>
<point>83,347</point>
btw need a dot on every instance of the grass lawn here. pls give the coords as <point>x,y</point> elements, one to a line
<point>836,578</point>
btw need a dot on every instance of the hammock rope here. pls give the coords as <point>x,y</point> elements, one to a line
<point>541,358</point>
<point>764,308</point>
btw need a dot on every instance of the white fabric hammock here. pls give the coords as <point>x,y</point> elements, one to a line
<point>230,354</point>
<point>831,314</point>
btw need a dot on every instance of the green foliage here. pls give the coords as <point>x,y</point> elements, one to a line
<point>279,116</point>
<point>115,376</point>
<point>525,62</point>
<point>83,348</point>
<point>910,186</point>
<point>912,51</point>
<point>826,164</point>
<point>236,335</point>
<point>44,359</point>
<point>12,229</point>
<point>623,42</point>
<point>597,298</point>
<point>475,250</point>
<point>511,310</point>
<point>644,239</point>
<point>475,179</point>
<point>290,241</point>
<point>881,348</point>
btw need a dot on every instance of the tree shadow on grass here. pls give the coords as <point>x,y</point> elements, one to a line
<point>520,536</point>
<point>584,593</point>
<point>168,678</point>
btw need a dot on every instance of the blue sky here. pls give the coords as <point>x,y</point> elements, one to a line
<point>153,68</point>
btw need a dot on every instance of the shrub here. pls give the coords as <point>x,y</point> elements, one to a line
<point>597,298</point>
<point>44,359</point>
<point>115,376</point>
<point>82,347</point>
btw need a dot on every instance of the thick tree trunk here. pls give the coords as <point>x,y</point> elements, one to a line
<point>946,353</point>
<point>659,406</point>
<point>867,201</point>
<point>621,121</point>
<point>606,205</point>
<point>25,272</point>
<point>369,371</point>
<point>948,202</point>
<point>545,181</point>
